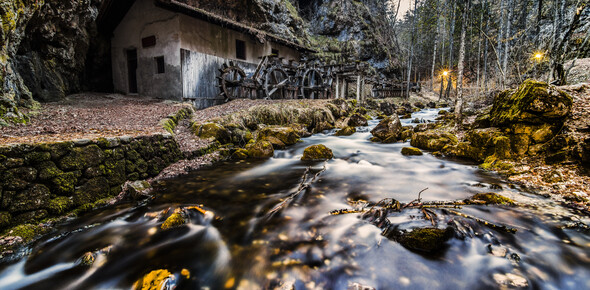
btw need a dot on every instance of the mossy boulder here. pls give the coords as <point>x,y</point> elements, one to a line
<point>411,151</point>
<point>346,131</point>
<point>543,133</point>
<point>240,154</point>
<point>533,103</point>
<point>176,219</point>
<point>91,191</point>
<point>157,279</point>
<point>59,205</point>
<point>286,135</point>
<point>212,131</point>
<point>260,149</point>
<point>48,170</point>
<point>427,240</point>
<point>388,129</point>
<point>27,232</point>
<point>82,157</point>
<point>64,183</point>
<point>34,197</point>
<point>138,189</point>
<point>432,140</point>
<point>490,198</point>
<point>317,152</point>
<point>357,120</point>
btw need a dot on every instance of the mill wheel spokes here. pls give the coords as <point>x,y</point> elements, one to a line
<point>275,83</point>
<point>230,81</point>
<point>312,84</point>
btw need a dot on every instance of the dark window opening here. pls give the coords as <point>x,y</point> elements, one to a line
<point>148,41</point>
<point>240,49</point>
<point>160,66</point>
<point>275,52</point>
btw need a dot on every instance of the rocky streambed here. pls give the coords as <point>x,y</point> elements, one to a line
<point>340,222</point>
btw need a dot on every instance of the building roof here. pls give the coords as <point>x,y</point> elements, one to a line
<point>113,11</point>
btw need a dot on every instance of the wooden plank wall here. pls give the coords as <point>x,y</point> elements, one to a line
<point>199,72</point>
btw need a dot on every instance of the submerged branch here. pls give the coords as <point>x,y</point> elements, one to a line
<point>484,222</point>
<point>302,186</point>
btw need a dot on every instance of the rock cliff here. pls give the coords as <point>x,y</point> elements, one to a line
<point>45,45</point>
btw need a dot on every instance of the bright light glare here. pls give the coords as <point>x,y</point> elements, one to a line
<point>445,73</point>
<point>538,55</point>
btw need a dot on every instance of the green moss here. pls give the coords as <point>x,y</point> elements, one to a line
<point>346,131</point>
<point>492,163</point>
<point>427,240</point>
<point>153,280</point>
<point>240,154</point>
<point>286,135</point>
<point>27,232</point>
<point>532,102</point>
<point>212,131</point>
<point>82,157</point>
<point>411,151</point>
<point>317,152</point>
<point>491,198</point>
<point>260,149</point>
<point>59,205</point>
<point>64,183</point>
<point>5,219</point>
<point>174,220</point>
<point>37,157</point>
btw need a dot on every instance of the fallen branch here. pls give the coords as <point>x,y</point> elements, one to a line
<point>302,186</point>
<point>484,222</point>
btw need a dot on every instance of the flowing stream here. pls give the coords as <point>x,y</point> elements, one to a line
<point>250,245</point>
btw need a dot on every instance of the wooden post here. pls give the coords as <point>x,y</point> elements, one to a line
<point>337,86</point>
<point>358,88</point>
<point>363,88</point>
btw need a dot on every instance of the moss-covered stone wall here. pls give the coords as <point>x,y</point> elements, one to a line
<point>48,180</point>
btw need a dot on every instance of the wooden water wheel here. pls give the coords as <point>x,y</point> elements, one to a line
<point>276,81</point>
<point>231,80</point>
<point>312,84</point>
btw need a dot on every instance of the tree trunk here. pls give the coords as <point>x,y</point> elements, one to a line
<point>500,40</point>
<point>479,51</point>
<point>485,50</point>
<point>459,100</point>
<point>538,29</point>
<point>507,41</point>
<point>411,56</point>
<point>451,38</point>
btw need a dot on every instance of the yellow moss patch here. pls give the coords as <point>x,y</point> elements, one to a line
<point>491,198</point>
<point>174,220</point>
<point>154,280</point>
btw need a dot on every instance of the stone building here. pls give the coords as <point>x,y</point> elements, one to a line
<point>171,50</point>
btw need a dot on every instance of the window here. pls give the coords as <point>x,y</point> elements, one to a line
<point>274,52</point>
<point>160,65</point>
<point>148,41</point>
<point>240,49</point>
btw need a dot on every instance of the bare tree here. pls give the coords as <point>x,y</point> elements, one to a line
<point>461,65</point>
<point>507,40</point>
<point>451,33</point>
<point>434,49</point>
<point>411,54</point>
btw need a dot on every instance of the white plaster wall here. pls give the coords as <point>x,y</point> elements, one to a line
<point>142,20</point>
<point>201,36</point>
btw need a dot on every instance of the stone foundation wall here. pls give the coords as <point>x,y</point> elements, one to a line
<point>51,179</point>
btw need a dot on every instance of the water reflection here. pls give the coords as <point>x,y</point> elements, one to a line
<point>302,244</point>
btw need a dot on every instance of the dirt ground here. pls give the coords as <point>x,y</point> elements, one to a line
<point>88,116</point>
<point>94,115</point>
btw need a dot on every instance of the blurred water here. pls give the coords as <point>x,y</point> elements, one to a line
<point>303,245</point>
